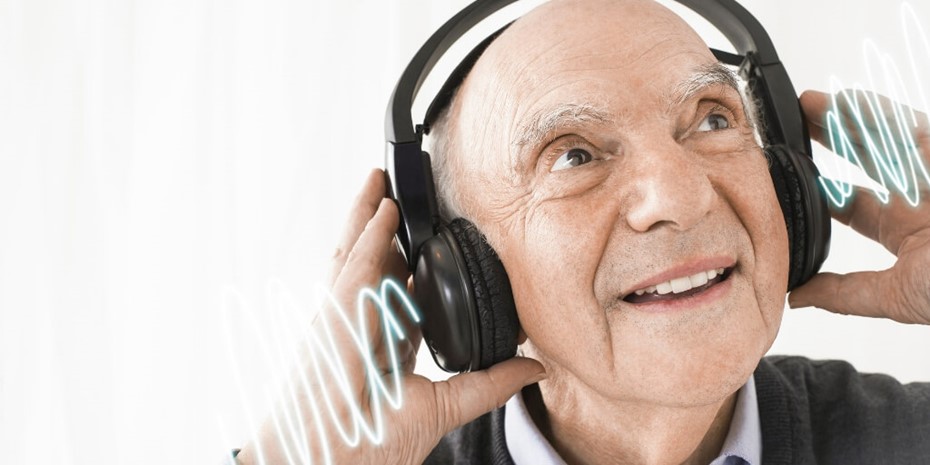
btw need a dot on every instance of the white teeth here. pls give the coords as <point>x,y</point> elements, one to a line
<point>698,279</point>
<point>679,285</point>
<point>664,288</point>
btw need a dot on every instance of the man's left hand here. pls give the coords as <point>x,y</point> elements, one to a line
<point>902,292</point>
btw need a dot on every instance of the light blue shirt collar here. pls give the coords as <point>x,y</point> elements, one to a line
<point>743,444</point>
<point>744,440</point>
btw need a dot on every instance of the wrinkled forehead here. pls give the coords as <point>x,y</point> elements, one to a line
<point>585,28</point>
<point>606,47</point>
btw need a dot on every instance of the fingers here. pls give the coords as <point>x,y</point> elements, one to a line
<point>815,105</point>
<point>363,269</point>
<point>877,294</point>
<point>411,329</point>
<point>466,396</point>
<point>363,209</point>
<point>862,213</point>
<point>858,110</point>
<point>883,134</point>
<point>364,265</point>
<point>864,293</point>
<point>874,125</point>
<point>889,223</point>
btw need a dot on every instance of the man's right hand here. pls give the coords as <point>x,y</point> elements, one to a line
<point>901,224</point>
<point>430,409</point>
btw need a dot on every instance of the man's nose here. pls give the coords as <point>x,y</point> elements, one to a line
<point>672,189</point>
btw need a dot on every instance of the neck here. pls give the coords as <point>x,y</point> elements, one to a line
<point>628,432</point>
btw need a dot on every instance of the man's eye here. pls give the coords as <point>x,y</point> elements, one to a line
<point>572,158</point>
<point>714,122</point>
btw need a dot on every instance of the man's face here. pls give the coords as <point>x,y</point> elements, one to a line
<point>604,155</point>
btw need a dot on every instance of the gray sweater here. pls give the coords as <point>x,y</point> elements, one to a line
<point>812,412</point>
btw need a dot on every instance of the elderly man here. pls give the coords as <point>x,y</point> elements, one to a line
<point>620,159</point>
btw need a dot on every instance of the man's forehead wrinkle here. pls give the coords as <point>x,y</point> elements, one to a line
<point>506,71</point>
<point>595,53</point>
<point>580,53</point>
<point>595,66</point>
<point>587,26</point>
<point>488,94</point>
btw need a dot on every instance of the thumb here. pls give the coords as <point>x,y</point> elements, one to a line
<point>863,293</point>
<point>467,396</point>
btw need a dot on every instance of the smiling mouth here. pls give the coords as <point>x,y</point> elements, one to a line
<point>680,287</point>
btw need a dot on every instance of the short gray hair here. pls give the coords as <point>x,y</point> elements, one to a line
<point>443,147</point>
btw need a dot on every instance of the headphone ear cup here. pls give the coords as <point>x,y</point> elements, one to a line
<point>497,315</point>
<point>468,317</point>
<point>806,215</point>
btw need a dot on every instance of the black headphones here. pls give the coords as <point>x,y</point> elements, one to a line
<point>469,317</point>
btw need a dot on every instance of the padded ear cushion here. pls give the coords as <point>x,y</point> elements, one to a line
<point>806,216</point>
<point>497,314</point>
<point>789,197</point>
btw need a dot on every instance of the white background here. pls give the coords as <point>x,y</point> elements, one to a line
<point>158,157</point>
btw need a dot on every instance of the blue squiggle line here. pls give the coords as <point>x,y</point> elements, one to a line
<point>892,150</point>
<point>325,382</point>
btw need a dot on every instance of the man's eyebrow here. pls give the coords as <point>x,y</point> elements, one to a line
<point>550,119</point>
<point>708,75</point>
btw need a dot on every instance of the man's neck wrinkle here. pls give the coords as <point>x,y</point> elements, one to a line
<point>627,434</point>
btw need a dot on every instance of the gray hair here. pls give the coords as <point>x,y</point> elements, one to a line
<point>442,145</point>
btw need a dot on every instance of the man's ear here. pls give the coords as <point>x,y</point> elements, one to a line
<point>521,337</point>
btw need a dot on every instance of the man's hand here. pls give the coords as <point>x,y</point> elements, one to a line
<point>902,292</point>
<point>430,410</point>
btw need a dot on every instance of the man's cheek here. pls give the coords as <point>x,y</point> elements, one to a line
<point>772,265</point>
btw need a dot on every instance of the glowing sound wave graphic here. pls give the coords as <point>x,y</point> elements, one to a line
<point>891,147</point>
<point>319,349</point>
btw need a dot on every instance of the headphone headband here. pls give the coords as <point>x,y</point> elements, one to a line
<point>398,126</point>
